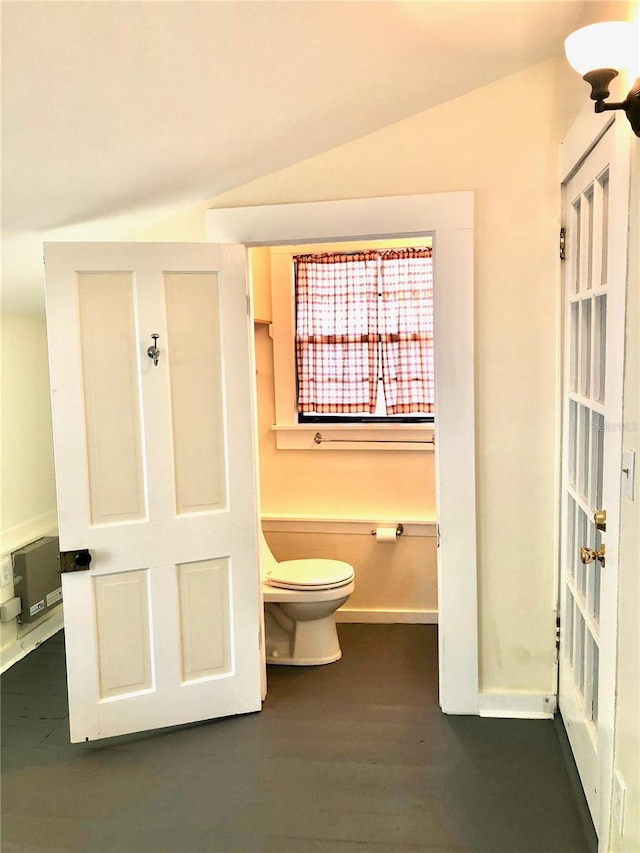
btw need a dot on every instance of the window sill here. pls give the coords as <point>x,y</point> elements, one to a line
<point>347,437</point>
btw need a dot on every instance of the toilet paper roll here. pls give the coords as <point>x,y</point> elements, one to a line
<point>385,534</point>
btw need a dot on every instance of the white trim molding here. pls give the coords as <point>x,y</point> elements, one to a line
<point>354,437</point>
<point>32,638</point>
<point>388,617</point>
<point>518,706</point>
<point>449,218</point>
<point>352,526</point>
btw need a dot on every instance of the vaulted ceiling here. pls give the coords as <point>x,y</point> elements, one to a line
<point>117,112</point>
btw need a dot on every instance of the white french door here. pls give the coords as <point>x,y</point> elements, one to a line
<point>155,478</point>
<point>595,216</point>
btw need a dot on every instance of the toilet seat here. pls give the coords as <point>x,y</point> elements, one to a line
<point>310,574</point>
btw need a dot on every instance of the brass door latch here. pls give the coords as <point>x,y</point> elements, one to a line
<point>588,555</point>
<point>600,519</point>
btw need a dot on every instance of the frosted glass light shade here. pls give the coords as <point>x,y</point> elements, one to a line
<point>604,45</point>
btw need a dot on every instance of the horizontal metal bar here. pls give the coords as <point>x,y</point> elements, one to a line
<point>320,440</point>
<point>399,530</point>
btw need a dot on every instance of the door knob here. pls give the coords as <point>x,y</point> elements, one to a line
<point>75,561</point>
<point>588,555</point>
<point>82,559</point>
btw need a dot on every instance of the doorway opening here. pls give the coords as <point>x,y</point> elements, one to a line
<point>450,218</point>
<point>317,504</point>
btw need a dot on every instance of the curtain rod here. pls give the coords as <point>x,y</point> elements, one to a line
<point>318,439</point>
<point>352,252</point>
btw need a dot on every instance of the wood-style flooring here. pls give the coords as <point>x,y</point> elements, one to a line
<point>346,758</point>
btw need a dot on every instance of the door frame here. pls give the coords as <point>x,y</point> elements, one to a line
<point>582,137</point>
<point>449,217</point>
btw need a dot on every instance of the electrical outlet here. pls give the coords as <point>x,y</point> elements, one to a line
<point>6,574</point>
<point>619,793</point>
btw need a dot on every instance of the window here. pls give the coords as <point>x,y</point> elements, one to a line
<point>364,336</point>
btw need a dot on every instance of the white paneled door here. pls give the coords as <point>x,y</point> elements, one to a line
<point>595,212</point>
<point>155,479</point>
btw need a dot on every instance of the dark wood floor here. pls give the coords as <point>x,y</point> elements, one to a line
<point>354,756</point>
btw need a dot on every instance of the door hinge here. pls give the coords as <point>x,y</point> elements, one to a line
<point>437,535</point>
<point>248,305</point>
<point>563,243</point>
<point>557,633</point>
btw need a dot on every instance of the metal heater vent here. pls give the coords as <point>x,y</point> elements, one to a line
<point>36,577</point>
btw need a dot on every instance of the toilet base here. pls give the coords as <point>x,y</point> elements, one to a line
<point>311,643</point>
<point>279,661</point>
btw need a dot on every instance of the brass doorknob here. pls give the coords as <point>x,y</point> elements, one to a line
<point>588,555</point>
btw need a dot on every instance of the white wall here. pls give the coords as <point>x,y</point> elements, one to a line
<point>371,482</point>
<point>502,141</point>
<point>27,492</point>
<point>486,142</point>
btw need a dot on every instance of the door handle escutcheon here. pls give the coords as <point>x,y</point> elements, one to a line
<point>77,560</point>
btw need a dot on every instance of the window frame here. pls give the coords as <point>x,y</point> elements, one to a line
<point>291,433</point>
<point>360,418</point>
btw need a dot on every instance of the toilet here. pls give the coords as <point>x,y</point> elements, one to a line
<point>300,600</point>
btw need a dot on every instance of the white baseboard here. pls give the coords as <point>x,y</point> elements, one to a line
<point>524,706</point>
<point>389,617</point>
<point>21,647</point>
<point>357,526</point>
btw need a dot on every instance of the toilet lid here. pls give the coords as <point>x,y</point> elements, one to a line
<point>310,574</point>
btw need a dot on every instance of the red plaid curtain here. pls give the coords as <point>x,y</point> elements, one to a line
<point>405,324</point>
<point>336,333</point>
<point>348,308</point>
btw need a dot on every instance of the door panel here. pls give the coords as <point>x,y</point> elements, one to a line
<point>195,371</point>
<point>123,633</point>
<point>111,392</point>
<point>595,276</point>
<point>155,476</point>
<point>204,590</point>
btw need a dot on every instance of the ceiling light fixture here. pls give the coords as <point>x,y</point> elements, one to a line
<point>598,52</point>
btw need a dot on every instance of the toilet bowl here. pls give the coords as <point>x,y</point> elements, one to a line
<point>300,600</point>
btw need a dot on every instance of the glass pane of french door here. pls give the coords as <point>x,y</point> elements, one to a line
<point>586,309</point>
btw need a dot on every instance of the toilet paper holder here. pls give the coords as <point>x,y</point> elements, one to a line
<point>399,530</point>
